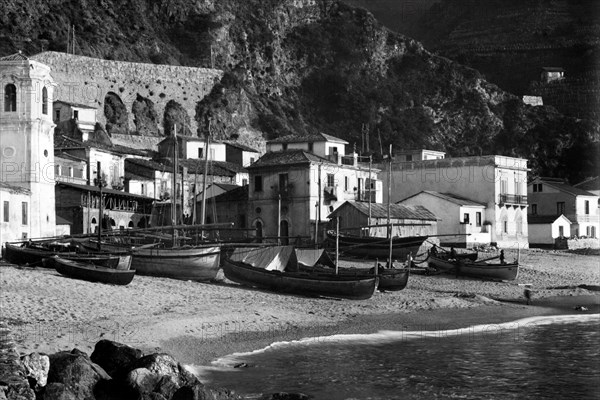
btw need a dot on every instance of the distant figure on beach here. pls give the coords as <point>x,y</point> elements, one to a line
<point>527,292</point>
<point>502,257</point>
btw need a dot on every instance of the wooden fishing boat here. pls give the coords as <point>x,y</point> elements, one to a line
<point>23,253</point>
<point>377,247</point>
<point>346,287</point>
<point>91,272</point>
<point>199,263</point>
<point>487,270</point>
<point>391,279</point>
<point>442,263</point>
<point>36,254</point>
<point>477,269</point>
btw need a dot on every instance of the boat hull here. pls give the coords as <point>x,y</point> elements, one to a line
<point>195,264</point>
<point>482,270</point>
<point>441,264</point>
<point>390,279</point>
<point>90,272</point>
<point>38,256</point>
<point>502,272</point>
<point>374,247</point>
<point>345,287</point>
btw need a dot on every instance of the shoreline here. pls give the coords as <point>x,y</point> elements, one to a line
<point>199,322</point>
<point>202,352</point>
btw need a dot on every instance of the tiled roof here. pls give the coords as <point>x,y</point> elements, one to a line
<point>563,187</point>
<point>78,105</point>
<point>107,191</point>
<point>397,211</point>
<point>288,157</point>
<point>239,146</point>
<point>66,142</point>
<point>13,189</point>
<point>461,201</point>
<point>240,193</point>
<point>320,137</point>
<point>544,219</point>
<point>589,184</point>
<point>15,57</point>
<point>146,163</point>
<point>194,166</point>
<point>225,186</point>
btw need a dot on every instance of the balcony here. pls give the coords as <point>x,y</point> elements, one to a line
<point>515,199</point>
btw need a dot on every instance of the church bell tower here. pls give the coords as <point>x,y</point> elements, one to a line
<point>27,138</point>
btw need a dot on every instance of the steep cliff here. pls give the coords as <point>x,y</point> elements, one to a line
<point>307,65</point>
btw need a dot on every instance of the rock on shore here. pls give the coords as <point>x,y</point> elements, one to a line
<point>115,371</point>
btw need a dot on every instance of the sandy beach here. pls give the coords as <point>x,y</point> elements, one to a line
<point>198,322</point>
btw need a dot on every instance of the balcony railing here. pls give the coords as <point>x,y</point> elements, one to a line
<point>587,218</point>
<point>513,199</point>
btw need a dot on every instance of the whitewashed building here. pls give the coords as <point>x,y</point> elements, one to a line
<point>498,182</point>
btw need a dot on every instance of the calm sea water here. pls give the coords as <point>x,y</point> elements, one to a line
<point>535,358</point>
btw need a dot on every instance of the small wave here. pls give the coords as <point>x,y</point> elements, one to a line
<point>383,336</point>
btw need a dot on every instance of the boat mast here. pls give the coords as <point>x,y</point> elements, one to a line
<point>204,176</point>
<point>390,227</point>
<point>370,184</point>
<point>174,184</point>
<point>318,213</point>
<point>99,182</point>
<point>337,243</point>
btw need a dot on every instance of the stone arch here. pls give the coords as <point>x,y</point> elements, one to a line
<point>175,114</point>
<point>10,98</point>
<point>115,113</point>
<point>145,116</point>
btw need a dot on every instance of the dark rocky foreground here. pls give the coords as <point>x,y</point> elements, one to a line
<point>113,372</point>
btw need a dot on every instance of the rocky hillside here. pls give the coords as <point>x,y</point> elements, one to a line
<point>313,65</point>
<point>509,41</point>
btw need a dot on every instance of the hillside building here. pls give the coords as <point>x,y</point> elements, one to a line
<point>297,184</point>
<point>553,197</point>
<point>457,216</point>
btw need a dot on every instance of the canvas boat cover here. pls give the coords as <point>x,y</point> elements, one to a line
<point>276,258</point>
<point>312,257</point>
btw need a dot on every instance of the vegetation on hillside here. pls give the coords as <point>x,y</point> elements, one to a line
<point>325,67</point>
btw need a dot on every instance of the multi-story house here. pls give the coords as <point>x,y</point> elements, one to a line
<point>497,182</point>
<point>77,191</point>
<point>548,196</point>
<point>190,147</point>
<point>461,221</point>
<point>300,181</point>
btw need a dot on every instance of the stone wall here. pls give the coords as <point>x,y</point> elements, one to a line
<point>136,141</point>
<point>87,81</point>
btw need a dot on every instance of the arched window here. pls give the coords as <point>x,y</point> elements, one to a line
<point>45,101</point>
<point>10,98</point>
